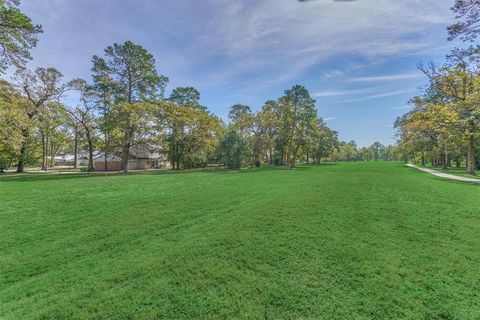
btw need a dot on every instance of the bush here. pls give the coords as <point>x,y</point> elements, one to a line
<point>233,149</point>
<point>5,158</point>
<point>3,166</point>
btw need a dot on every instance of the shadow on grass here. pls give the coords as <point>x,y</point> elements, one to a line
<point>28,177</point>
<point>50,176</point>
<point>264,168</point>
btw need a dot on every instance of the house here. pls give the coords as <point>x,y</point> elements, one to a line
<point>140,158</point>
<point>69,160</point>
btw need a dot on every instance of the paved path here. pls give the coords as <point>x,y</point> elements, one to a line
<point>445,175</point>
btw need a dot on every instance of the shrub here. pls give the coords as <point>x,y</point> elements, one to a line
<point>233,149</point>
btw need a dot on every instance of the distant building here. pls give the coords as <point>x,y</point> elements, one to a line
<point>69,160</point>
<point>140,158</point>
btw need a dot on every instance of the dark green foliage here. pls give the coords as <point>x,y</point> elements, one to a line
<point>17,35</point>
<point>468,11</point>
<point>5,160</point>
<point>378,150</point>
<point>325,143</point>
<point>233,148</point>
<point>128,72</point>
<point>187,96</point>
<point>237,111</point>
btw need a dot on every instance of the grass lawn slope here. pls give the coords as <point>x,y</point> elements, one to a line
<point>344,241</point>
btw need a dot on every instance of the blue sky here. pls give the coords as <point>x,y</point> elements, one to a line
<point>358,59</point>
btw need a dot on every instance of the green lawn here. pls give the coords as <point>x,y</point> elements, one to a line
<point>345,241</point>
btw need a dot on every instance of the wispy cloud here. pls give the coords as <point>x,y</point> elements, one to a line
<point>379,95</point>
<point>329,119</point>
<point>388,94</point>
<point>401,107</point>
<point>250,51</point>
<point>236,38</point>
<point>338,93</point>
<point>332,74</point>
<point>244,83</point>
<point>269,33</point>
<point>321,94</point>
<point>391,77</point>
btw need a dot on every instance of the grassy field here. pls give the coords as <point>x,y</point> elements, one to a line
<point>346,241</point>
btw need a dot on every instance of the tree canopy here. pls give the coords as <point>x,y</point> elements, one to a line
<point>468,12</point>
<point>17,35</point>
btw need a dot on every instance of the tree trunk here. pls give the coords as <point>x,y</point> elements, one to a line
<point>106,154</point>
<point>75,149</point>
<point>445,161</point>
<point>23,151</point>
<point>44,152</point>
<point>91,165</point>
<point>125,153</point>
<point>177,156</point>
<point>294,157</point>
<point>471,154</point>
<point>21,160</point>
<point>423,159</point>
<point>53,152</point>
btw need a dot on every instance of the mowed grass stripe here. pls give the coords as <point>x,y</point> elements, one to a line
<point>363,241</point>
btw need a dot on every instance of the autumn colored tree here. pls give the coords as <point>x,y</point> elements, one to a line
<point>13,120</point>
<point>189,135</point>
<point>39,88</point>
<point>456,82</point>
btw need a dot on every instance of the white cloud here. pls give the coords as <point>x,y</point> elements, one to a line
<point>244,83</point>
<point>332,74</point>
<point>391,77</point>
<point>294,35</point>
<point>240,39</point>
<point>320,94</point>
<point>387,94</point>
<point>338,93</point>
<point>329,118</point>
<point>401,107</point>
<point>379,95</point>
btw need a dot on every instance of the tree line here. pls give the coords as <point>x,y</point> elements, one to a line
<point>443,127</point>
<point>125,106</point>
